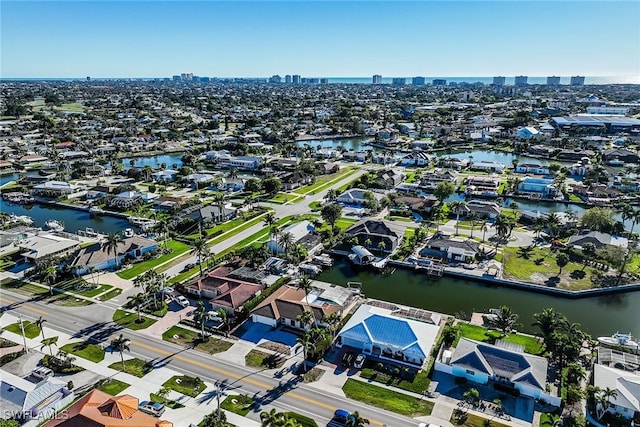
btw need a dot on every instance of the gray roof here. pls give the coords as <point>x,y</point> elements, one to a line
<point>19,394</point>
<point>516,366</point>
<point>627,384</point>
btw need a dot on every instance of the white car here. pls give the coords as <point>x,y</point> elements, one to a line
<point>359,361</point>
<point>42,373</point>
<point>182,301</point>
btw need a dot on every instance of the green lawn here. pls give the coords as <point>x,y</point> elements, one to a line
<point>134,367</point>
<point>315,206</point>
<point>531,344</point>
<point>383,398</point>
<point>301,419</point>
<point>186,337</point>
<point>75,286</point>
<point>84,349</point>
<point>130,320</point>
<point>179,248</point>
<point>419,384</point>
<point>238,404</point>
<point>185,385</point>
<point>241,227</point>
<point>30,329</point>
<point>172,404</point>
<point>228,225</point>
<point>325,181</point>
<point>73,106</point>
<point>282,198</point>
<point>541,263</point>
<point>260,359</point>
<point>27,289</point>
<point>471,420</point>
<point>111,294</point>
<point>112,386</point>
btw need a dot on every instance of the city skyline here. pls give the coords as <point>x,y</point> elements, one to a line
<point>148,39</point>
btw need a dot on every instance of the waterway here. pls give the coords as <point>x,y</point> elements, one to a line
<point>350,144</point>
<point>494,156</point>
<point>73,219</point>
<point>598,316</point>
<point>154,161</point>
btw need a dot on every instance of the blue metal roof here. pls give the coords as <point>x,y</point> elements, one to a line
<point>389,330</point>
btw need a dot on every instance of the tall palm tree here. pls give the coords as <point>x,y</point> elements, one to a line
<point>40,323</point>
<point>200,316</point>
<point>111,245</point>
<point>50,276</point>
<point>220,199</point>
<point>233,173</point>
<point>162,228</point>
<point>269,221</point>
<point>306,285</point>
<point>473,219</point>
<point>200,249</point>
<point>355,420</point>
<point>286,240</point>
<point>456,207</point>
<point>122,344</point>
<point>308,344</point>
<point>333,321</point>
<point>306,318</point>
<point>224,317</point>
<point>547,322</point>
<point>504,320</point>
<point>48,343</point>
<point>137,300</point>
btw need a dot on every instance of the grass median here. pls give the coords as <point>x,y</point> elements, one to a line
<point>130,320</point>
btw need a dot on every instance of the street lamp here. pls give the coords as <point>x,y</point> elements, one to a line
<point>24,338</point>
<point>217,383</point>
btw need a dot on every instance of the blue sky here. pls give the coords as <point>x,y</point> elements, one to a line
<point>329,38</point>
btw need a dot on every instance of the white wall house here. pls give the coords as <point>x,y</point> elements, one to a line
<point>528,132</point>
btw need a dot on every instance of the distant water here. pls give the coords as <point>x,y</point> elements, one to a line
<point>589,80</point>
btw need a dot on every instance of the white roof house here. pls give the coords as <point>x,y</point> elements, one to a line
<point>627,386</point>
<point>297,231</point>
<point>43,245</point>
<point>392,332</point>
<point>527,133</point>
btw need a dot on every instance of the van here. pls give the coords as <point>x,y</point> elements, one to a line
<point>42,373</point>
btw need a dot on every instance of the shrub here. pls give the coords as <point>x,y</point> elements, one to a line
<point>59,366</point>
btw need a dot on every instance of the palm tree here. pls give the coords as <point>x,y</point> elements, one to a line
<point>200,316</point>
<point>40,323</point>
<point>473,219</point>
<point>286,240</point>
<point>50,276</point>
<point>272,418</point>
<point>122,344</point>
<point>233,173</point>
<point>137,300</point>
<point>224,317</point>
<point>111,245</point>
<point>163,393</point>
<point>504,320</point>
<point>553,223</point>
<point>162,228</point>
<point>308,344</point>
<point>333,321</point>
<point>628,212</point>
<point>456,207</point>
<point>548,322</point>
<point>65,357</point>
<point>331,195</point>
<point>200,249</point>
<point>306,318</point>
<point>305,284</point>
<point>220,199</point>
<point>355,420</point>
<point>48,343</point>
<point>382,245</point>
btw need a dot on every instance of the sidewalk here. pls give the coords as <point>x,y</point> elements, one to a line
<point>194,408</point>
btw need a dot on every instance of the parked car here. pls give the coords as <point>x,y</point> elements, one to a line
<point>341,415</point>
<point>42,372</point>
<point>428,425</point>
<point>188,267</point>
<point>152,408</point>
<point>182,301</point>
<point>347,359</point>
<point>359,361</point>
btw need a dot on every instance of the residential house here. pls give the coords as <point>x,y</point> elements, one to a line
<point>31,159</point>
<point>42,245</point>
<point>543,187</point>
<point>250,163</point>
<point>126,200</point>
<point>199,180</point>
<point>596,193</point>
<point>382,235</point>
<point>96,256</point>
<point>169,203</point>
<point>415,204</point>
<point>302,233</point>
<point>211,212</point>
<point>532,168</point>
<point>416,159</point>
<point>284,163</point>
<point>31,403</point>
<point>445,247</point>
<point>598,239</point>
<point>575,155</point>
<point>356,197</point>
<point>387,135</point>
<point>287,303</point>
<point>354,156</point>
<point>295,179</point>
<point>621,154</point>
<point>504,366</point>
<point>626,384</point>
<point>99,409</point>
<point>388,178</point>
<point>453,163</point>
<point>430,180</point>
<point>390,333</point>
<point>167,175</point>
<point>55,189</point>
<point>327,153</point>
<point>222,290</point>
<point>384,159</point>
<point>487,166</point>
<point>481,208</point>
<point>528,132</point>
<point>482,185</point>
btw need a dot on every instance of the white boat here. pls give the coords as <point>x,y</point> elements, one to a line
<point>21,218</point>
<point>620,340</point>
<point>95,211</point>
<point>53,225</point>
<point>128,232</point>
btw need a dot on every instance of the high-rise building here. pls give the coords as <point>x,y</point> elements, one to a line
<point>577,81</point>
<point>275,79</point>
<point>324,81</point>
<point>399,81</point>
<point>418,81</point>
<point>287,79</point>
<point>296,79</point>
<point>177,78</point>
<point>553,81</point>
<point>377,79</point>
<point>521,80</point>
<point>498,81</point>
<point>439,82</point>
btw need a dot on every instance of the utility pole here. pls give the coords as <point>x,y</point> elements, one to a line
<point>24,338</point>
<point>218,397</point>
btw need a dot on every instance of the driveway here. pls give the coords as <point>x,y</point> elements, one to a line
<point>256,332</point>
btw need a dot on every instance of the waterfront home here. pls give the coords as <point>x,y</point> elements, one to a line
<point>249,163</point>
<point>31,402</point>
<point>541,186</point>
<point>355,156</point>
<point>487,166</point>
<point>295,179</point>
<point>416,159</point>
<point>482,209</point>
<point>542,150</point>
<point>356,197</point>
<point>621,154</point>
<point>169,203</point>
<point>384,159</point>
<point>390,333</point>
<point>42,245</point>
<point>301,234</point>
<point>199,180</point>
<point>74,155</point>
<point>596,193</point>
<point>575,155</point>
<point>430,180</point>
<point>222,290</point>
<point>388,179</point>
<point>327,153</point>
<point>213,213</point>
<point>453,249</point>
<point>96,256</point>
<point>55,189</point>
<point>598,239</point>
<point>532,168</point>
<point>378,234</point>
<point>422,144</point>
<point>528,132</point>
<point>228,184</point>
<point>99,409</point>
<point>386,135</point>
<point>38,177</point>
<point>285,305</point>
<point>453,163</point>
<point>626,401</point>
<point>126,200</point>
<point>415,204</point>
<point>482,185</point>
<point>284,163</point>
<point>504,366</point>
<point>167,175</point>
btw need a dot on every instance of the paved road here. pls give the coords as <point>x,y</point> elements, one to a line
<point>94,323</point>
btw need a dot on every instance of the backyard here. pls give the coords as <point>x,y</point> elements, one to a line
<point>178,248</point>
<point>478,333</point>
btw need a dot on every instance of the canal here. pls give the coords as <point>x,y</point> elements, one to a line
<point>598,316</point>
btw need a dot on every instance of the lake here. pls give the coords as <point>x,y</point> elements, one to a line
<point>154,161</point>
<point>598,316</point>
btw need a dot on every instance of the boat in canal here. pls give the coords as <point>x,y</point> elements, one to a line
<point>619,340</point>
<point>21,218</point>
<point>95,211</point>
<point>54,225</point>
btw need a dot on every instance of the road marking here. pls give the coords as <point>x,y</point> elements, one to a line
<point>26,307</point>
